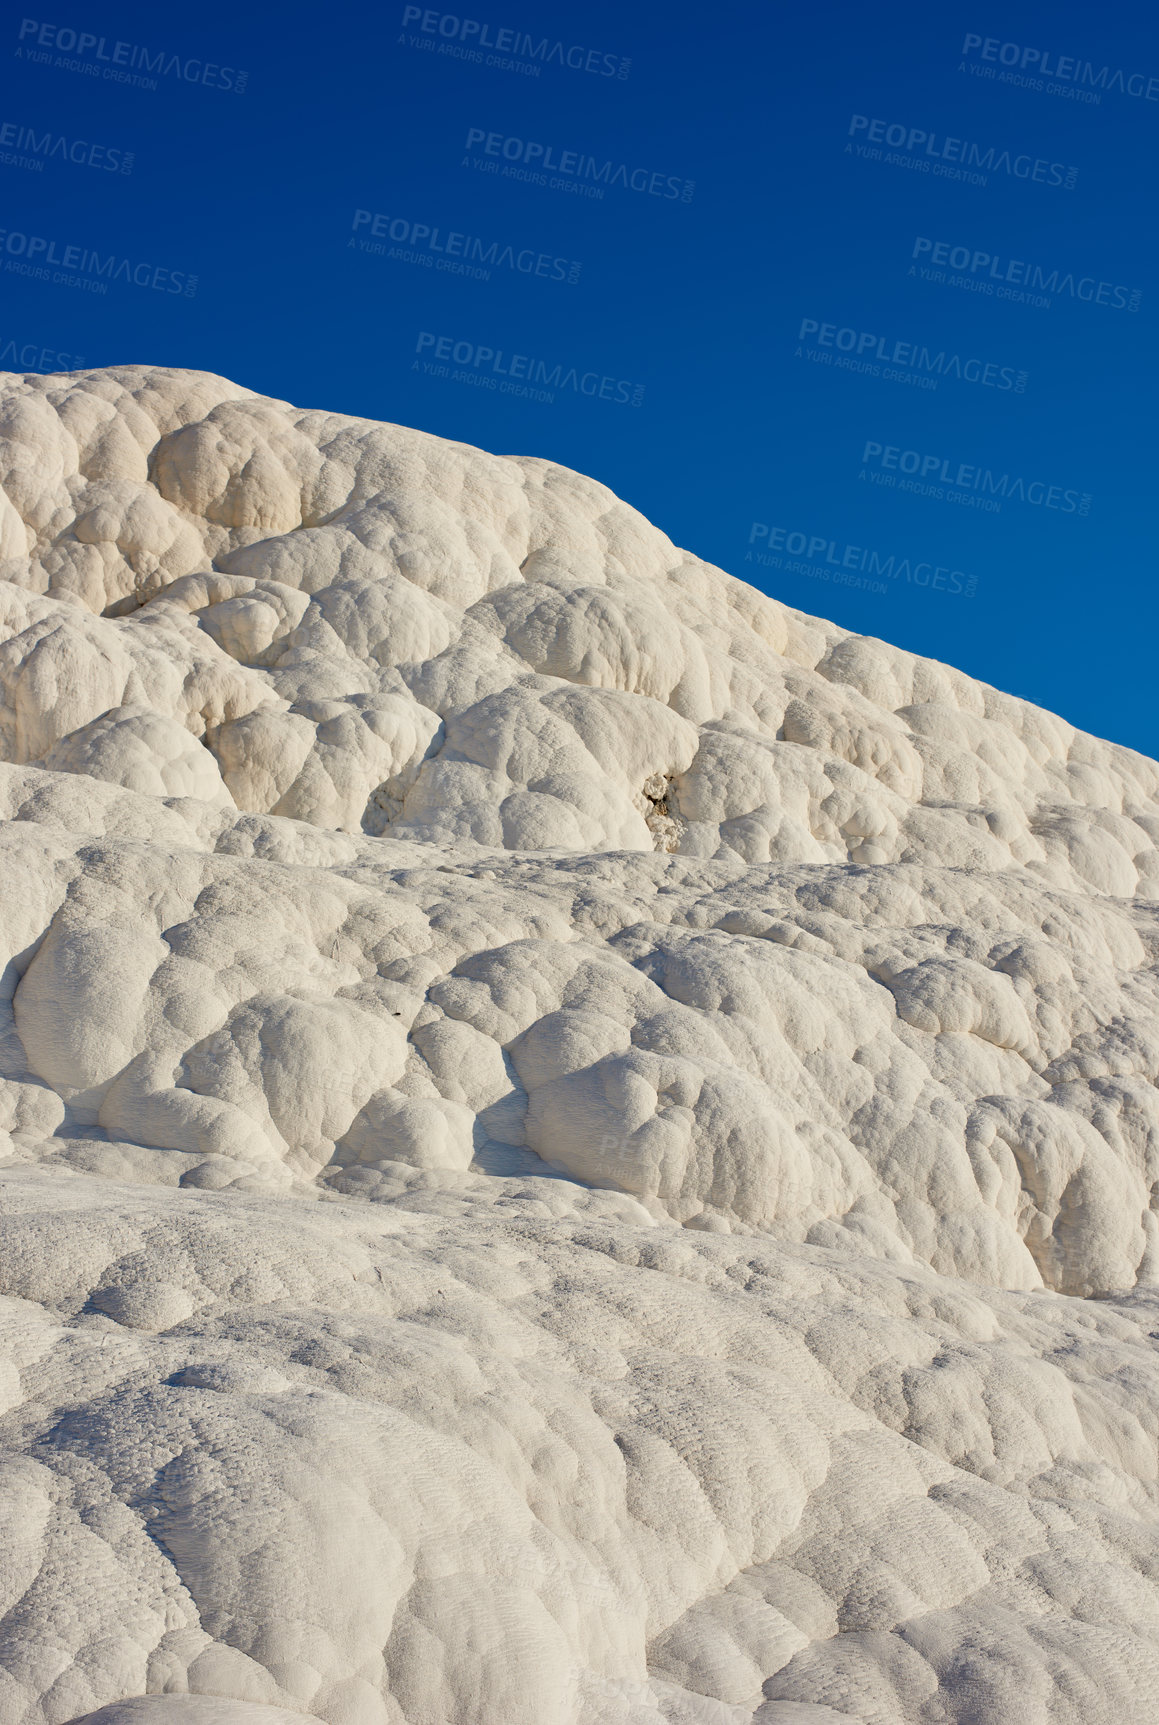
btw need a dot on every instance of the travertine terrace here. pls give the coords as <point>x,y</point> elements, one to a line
<point>580,1146</point>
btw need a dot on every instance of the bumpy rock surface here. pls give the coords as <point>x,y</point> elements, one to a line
<point>581,1147</point>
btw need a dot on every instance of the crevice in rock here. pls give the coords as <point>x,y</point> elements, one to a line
<point>662,824</point>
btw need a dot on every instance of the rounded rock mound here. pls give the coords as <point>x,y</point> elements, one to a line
<point>579,1147</point>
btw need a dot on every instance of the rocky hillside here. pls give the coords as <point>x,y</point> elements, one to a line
<point>580,1145</point>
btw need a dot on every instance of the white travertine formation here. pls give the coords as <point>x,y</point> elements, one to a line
<point>580,1146</point>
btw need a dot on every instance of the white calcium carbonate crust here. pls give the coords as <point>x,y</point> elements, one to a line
<point>579,1147</point>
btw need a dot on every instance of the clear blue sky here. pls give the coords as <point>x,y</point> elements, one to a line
<point>743,202</point>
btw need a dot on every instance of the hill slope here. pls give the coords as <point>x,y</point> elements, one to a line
<point>564,1120</point>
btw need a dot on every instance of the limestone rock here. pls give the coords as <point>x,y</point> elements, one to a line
<point>580,1146</point>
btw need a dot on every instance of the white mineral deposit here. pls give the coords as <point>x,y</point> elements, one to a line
<point>580,1147</point>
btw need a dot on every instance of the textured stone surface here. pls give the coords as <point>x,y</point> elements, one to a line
<point>580,1145</point>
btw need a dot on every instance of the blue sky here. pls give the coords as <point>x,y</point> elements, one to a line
<point>388,218</point>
